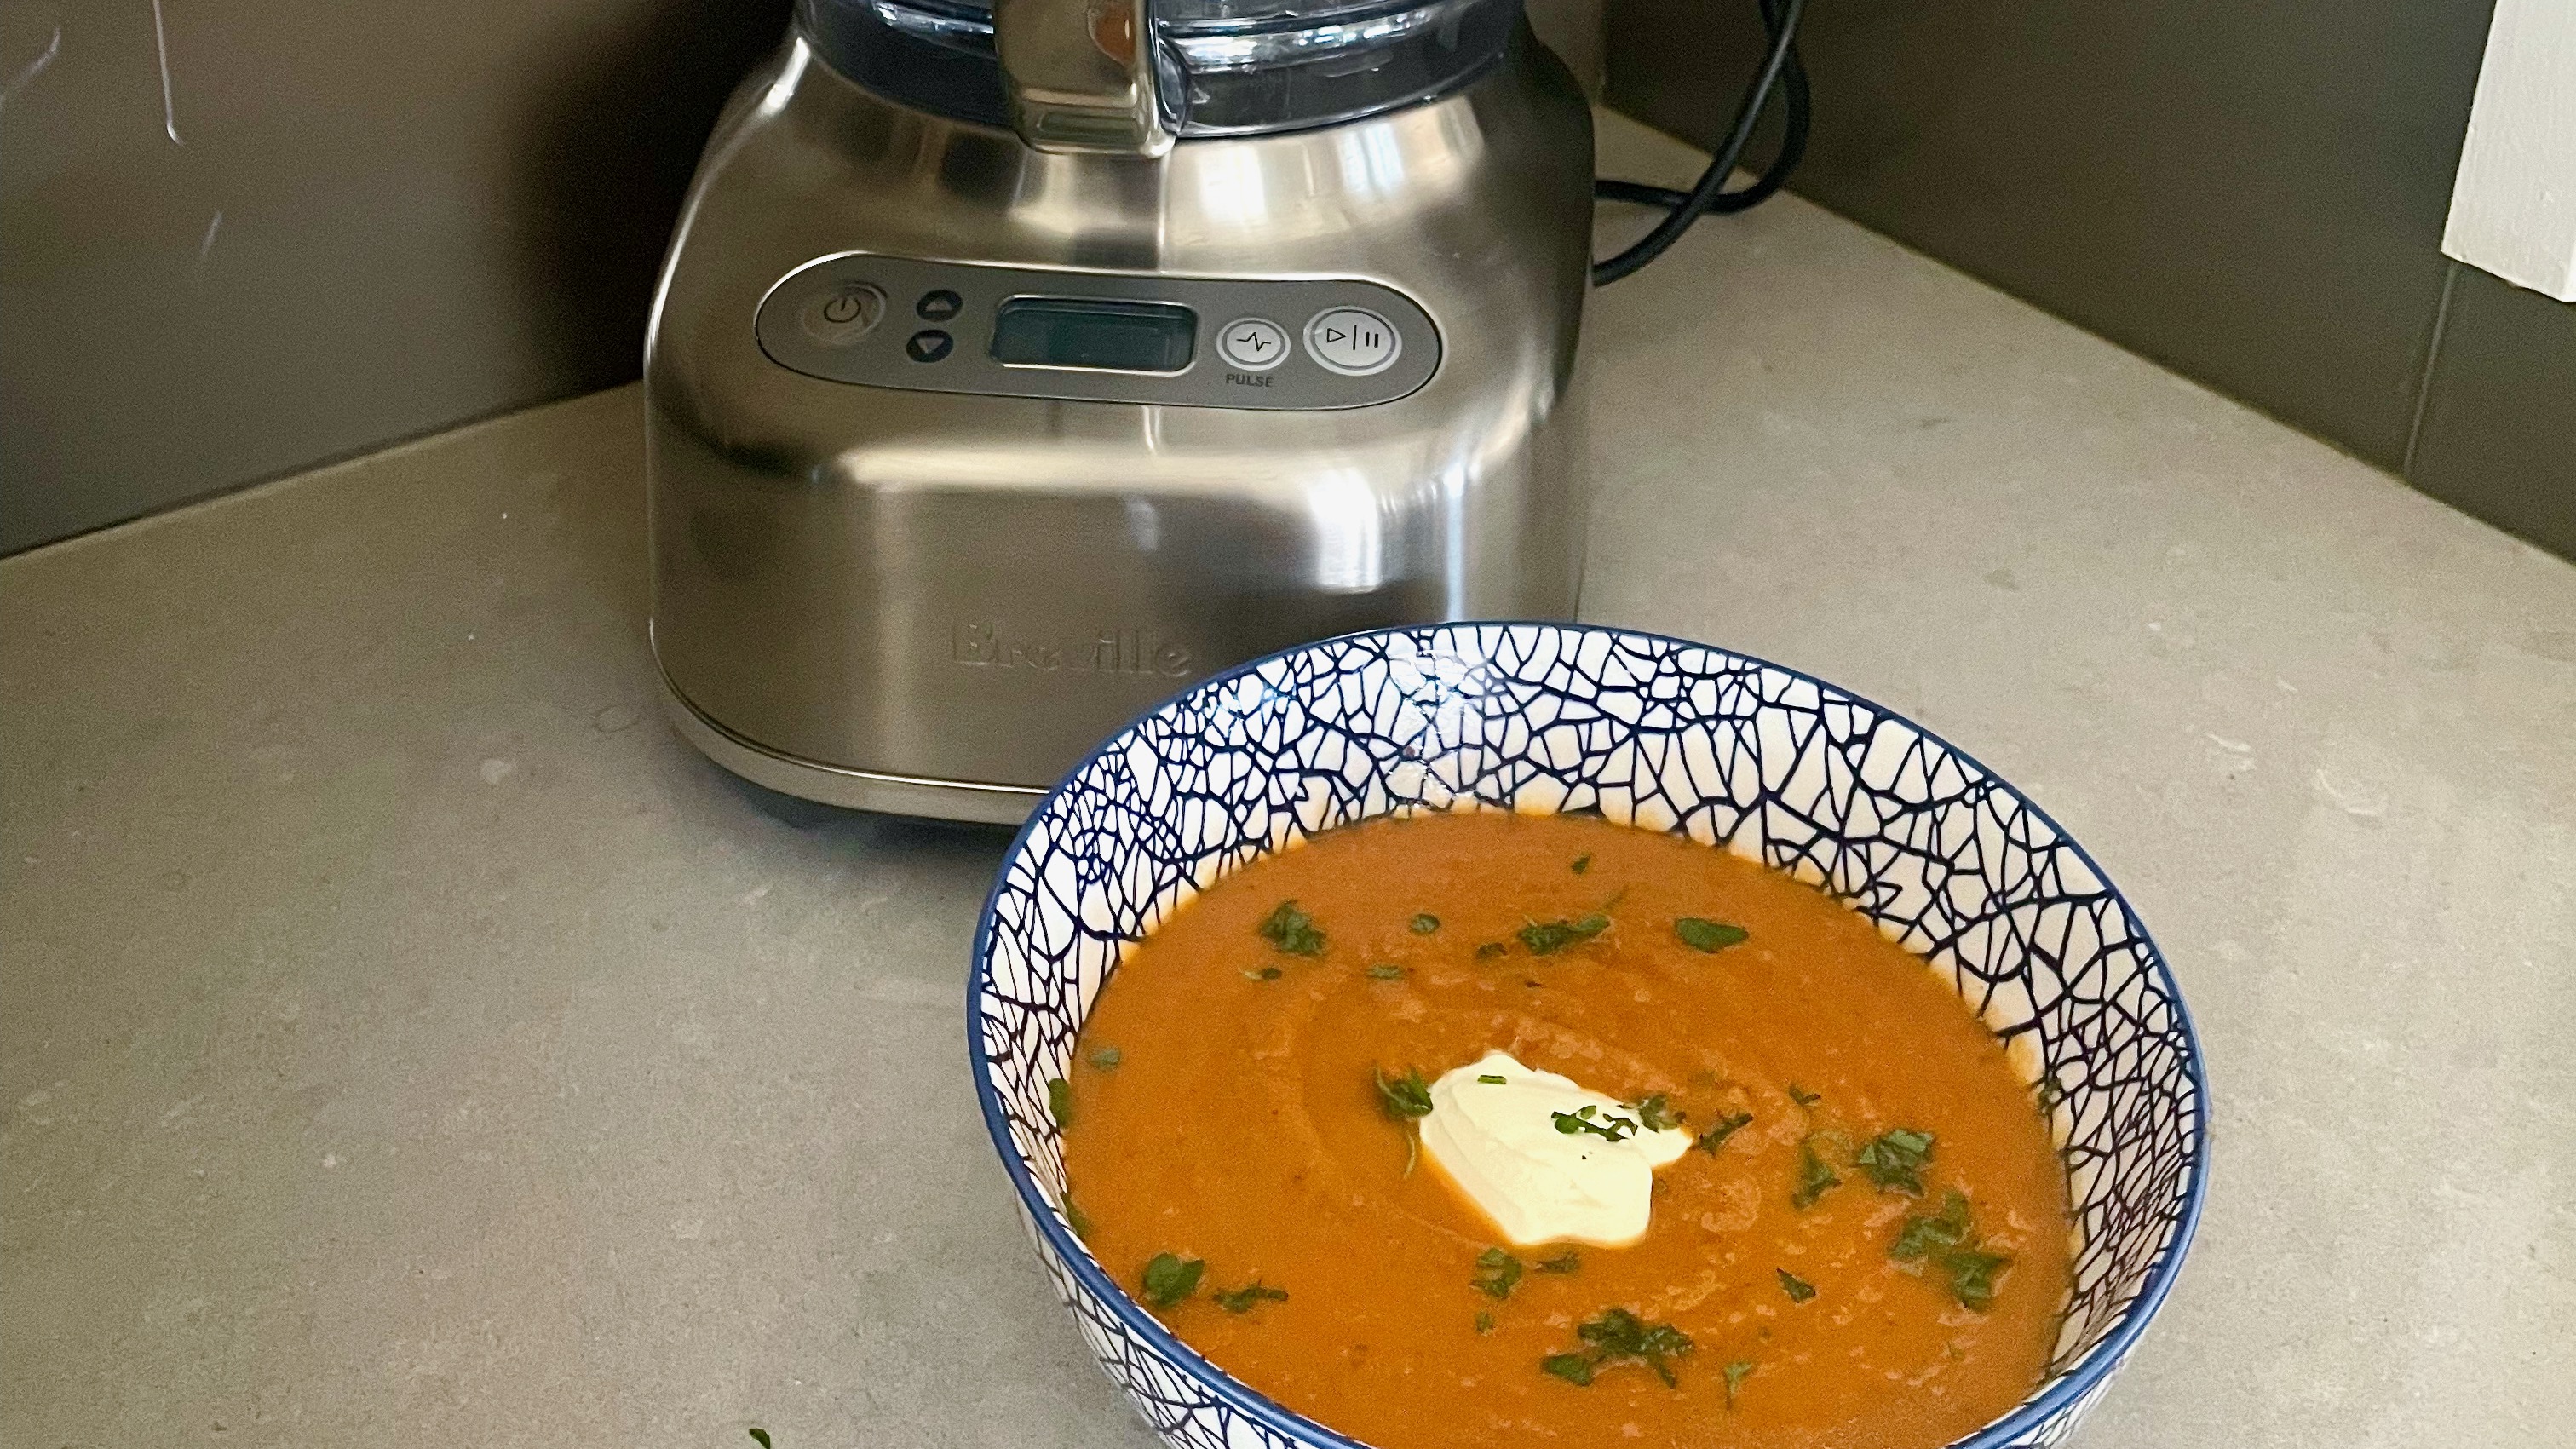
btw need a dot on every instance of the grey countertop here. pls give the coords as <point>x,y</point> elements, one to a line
<point>404,1039</point>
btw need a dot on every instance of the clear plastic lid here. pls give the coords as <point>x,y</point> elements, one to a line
<point>1222,67</point>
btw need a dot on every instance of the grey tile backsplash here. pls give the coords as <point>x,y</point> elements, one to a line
<point>2251,195</point>
<point>2497,435</point>
<point>240,237</point>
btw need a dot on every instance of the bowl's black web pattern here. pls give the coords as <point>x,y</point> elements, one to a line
<point>1655,732</point>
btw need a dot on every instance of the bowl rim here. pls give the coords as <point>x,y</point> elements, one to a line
<point>2087,1373</point>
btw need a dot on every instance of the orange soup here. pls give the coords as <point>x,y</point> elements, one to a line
<point>1867,1242</point>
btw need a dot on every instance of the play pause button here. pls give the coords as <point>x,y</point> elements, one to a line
<point>1352,341</point>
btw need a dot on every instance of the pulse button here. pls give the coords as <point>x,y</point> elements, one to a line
<point>1253,344</point>
<point>1353,341</point>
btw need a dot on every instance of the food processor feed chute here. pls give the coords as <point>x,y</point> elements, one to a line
<point>1078,81</point>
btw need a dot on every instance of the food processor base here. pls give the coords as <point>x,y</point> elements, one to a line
<point>964,800</point>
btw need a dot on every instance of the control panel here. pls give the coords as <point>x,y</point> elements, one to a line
<point>1296,344</point>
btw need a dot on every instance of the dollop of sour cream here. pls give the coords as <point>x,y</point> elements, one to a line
<point>1500,1142</point>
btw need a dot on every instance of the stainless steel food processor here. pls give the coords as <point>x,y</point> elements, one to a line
<point>1018,361</point>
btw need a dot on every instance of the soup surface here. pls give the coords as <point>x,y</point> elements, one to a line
<point>1868,1244</point>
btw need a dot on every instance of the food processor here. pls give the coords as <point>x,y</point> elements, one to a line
<point>1017,363</point>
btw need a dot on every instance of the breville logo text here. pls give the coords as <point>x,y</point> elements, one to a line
<point>1115,651</point>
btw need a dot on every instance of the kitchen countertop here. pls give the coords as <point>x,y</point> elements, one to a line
<point>405,1039</point>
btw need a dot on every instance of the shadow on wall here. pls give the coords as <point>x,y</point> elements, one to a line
<point>608,143</point>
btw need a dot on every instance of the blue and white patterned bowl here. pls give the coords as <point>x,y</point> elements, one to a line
<point>1660,733</point>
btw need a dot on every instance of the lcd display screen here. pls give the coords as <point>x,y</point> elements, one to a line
<point>1095,333</point>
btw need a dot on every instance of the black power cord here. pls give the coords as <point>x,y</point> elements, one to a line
<point>1780,67</point>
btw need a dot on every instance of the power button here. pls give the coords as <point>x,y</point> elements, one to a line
<point>843,315</point>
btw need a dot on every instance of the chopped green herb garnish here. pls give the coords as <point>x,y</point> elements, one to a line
<point>1815,1179</point>
<point>1617,1337</point>
<point>1496,1272</point>
<point>1582,863</point>
<point>1972,1276</point>
<point>1949,1242</point>
<point>1803,1097</point>
<point>1545,938</point>
<point>1489,1079</point>
<point>1702,934</point>
<point>1798,1289</point>
<point>1169,1278</point>
<point>1075,1218</point>
<point>1599,1124</point>
<point>1926,1233</point>
<point>1060,1101</point>
<point>1484,1323</point>
<point>1405,1097</point>
<point>1108,1058</point>
<point>1736,1373</point>
<point>1895,1160</point>
<point>1568,1261</point>
<point>1385,973</point>
<point>1574,1368</point>
<point>1266,973</point>
<point>1490,950</point>
<point>1656,1113</point>
<point>760,1436</point>
<point>1715,1137</point>
<point>1245,1298</point>
<point>1292,931</point>
<point>1425,923</point>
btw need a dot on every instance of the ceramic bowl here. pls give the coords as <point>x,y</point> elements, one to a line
<point>1661,733</point>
